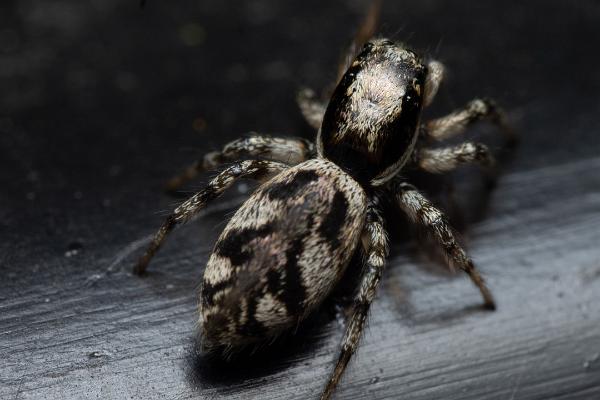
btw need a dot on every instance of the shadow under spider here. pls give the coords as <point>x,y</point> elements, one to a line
<point>213,371</point>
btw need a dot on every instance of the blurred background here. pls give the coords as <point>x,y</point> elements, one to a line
<point>102,101</point>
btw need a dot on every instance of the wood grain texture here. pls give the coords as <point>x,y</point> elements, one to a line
<point>102,102</point>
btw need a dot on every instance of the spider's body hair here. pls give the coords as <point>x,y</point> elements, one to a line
<point>370,126</point>
<point>288,245</point>
<point>281,254</point>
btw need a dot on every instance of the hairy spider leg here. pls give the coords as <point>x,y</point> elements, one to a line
<point>257,169</point>
<point>376,251</point>
<point>291,151</point>
<point>456,122</point>
<point>421,211</point>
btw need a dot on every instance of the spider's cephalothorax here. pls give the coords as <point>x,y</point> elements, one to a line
<point>370,126</point>
<point>288,245</point>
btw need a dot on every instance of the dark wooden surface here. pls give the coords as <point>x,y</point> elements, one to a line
<point>100,102</point>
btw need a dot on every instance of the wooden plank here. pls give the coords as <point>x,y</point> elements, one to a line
<point>82,195</point>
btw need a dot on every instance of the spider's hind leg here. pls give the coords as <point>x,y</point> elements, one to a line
<point>257,169</point>
<point>421,211</point>
<point>376,253</point>
<point>287,150</point>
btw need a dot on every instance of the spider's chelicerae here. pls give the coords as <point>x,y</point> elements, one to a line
<point>288,245</point>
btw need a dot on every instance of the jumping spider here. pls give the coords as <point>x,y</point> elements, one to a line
<point>288,245</point>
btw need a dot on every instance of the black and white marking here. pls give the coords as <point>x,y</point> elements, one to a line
<point>288,245</point>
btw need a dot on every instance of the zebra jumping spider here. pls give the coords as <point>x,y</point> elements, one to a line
<point>288,245</point>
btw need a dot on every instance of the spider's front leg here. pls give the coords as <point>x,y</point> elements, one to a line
<point>421,211</point>
<point>446,159</point>
<point>257,169</point>
<point>365,32</point>
<point>376,249</point>
<point>456,122</point>
<point>435,77</point>
<point>287,150</point>
<point>312,107</point>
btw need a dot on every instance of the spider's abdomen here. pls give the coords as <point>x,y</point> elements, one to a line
<point>370,125</point>
<point>281,254</point>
